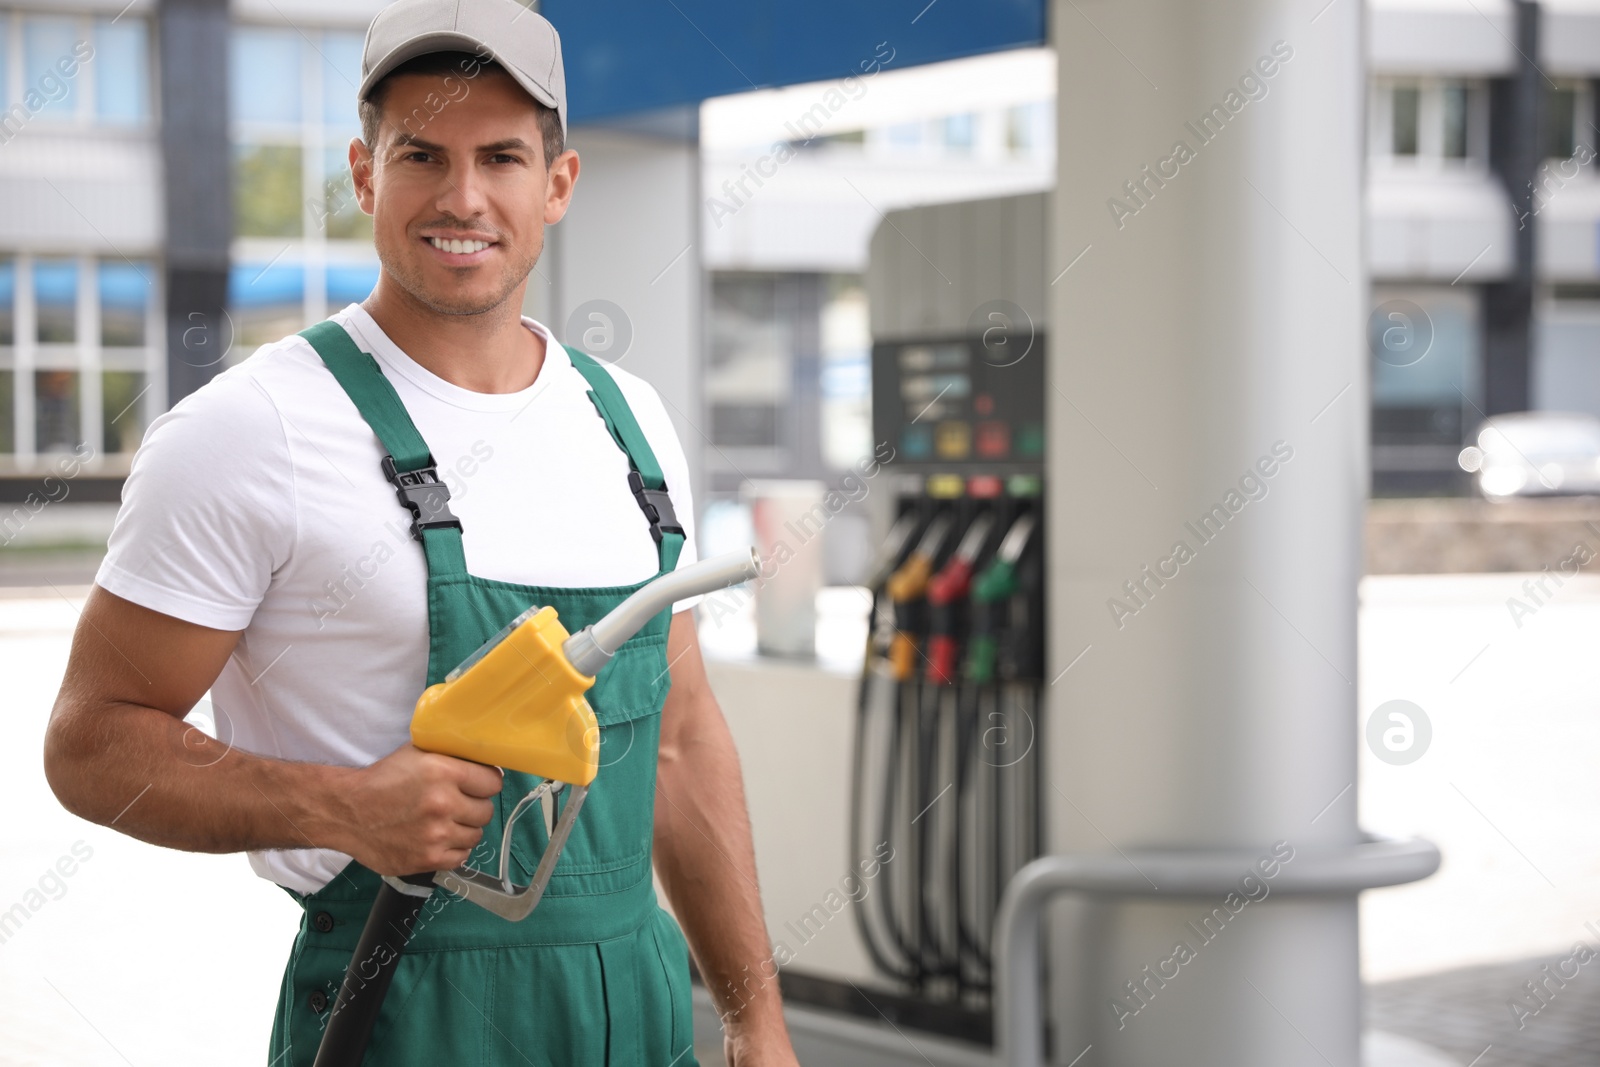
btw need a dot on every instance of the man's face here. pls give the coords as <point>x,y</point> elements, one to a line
<point>458,189</point>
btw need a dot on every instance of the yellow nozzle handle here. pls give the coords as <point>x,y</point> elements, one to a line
<point>518,701</point>
<point>520,706</point>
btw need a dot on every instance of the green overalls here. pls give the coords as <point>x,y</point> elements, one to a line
<point>598,974</point>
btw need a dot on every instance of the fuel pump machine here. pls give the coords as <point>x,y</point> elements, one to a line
<point>947,762</point>
<point>941,760</point>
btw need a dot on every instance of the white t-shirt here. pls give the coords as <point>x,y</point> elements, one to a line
<point>258,504</point>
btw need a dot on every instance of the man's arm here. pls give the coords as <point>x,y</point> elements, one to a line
<point>706,860</point>
<point>118,753</point>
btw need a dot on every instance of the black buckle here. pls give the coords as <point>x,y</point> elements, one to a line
<point>657,507</point>
<point>423,494</point>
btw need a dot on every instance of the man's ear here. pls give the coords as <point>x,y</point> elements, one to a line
<point>558,187</point>
<point>361,173</point>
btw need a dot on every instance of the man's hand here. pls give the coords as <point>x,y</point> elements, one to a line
<point>118,752</point>
<point>416,811</point>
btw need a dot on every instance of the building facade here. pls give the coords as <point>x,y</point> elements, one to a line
<point>175,193</point>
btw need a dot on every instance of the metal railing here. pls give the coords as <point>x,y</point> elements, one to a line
<point>1018,1005</point>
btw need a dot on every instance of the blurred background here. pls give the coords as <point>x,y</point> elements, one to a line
<point>950,324</point>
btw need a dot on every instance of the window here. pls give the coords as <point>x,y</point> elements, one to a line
<point>960,133</point>
<point>846,374</point>
<point>267,185</point>
<point>747,375</point>
<point>1428,122</point>
<point>1407,101</point>
<point>121,71</point>
<point>121,428</point>
<point>55,300</point>
<point>74,69</point>
<point>8,303</point>
<point>80,370</point>
<point>1562,125</point>
<point>124,304</point>
<point>1427,369</point>
<point>904,137</point>
<point>788,377</point>
<point>267,302</point>
<point>265,77</point>
<point>302,244</point>
<point>1453,102</point>
<point>1030,129</point>
<point>47,55</point>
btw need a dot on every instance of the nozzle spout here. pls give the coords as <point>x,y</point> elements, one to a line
<point>593,646</point>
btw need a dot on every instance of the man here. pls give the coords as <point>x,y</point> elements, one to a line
<point>261,553</point>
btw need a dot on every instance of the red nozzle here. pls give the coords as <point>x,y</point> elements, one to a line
<point>942,660</point>
<point>950,584</point>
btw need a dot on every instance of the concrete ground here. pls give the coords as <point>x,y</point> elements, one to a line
<point>145,956</point>
<point>1466,1014</point>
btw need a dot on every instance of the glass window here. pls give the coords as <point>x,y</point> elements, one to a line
<point>1427,398</point>
<point>748,379</point>
<point>1019,133</point>
<point>342,216</point>
<point>1453,103</point>
<point>1030,129</point>
<point>8,428</point>
<point>5,62</point>
<point>124,298</point>
<point>122,419</point>
<point>905,135</point>
<point>56,401</point>
<point>55,299</point>
<point>960,133</point>
<point>50,65</point>
<point>1560,116</point>
<point>846,385</point>
<point>121,70</point>
<point>267,303</point>
<point>350,283</point>
<point>341,76</point>
<point>1403,138</point>
<point>266,190</point>
<point>8,302</point>
<point>265,75</point>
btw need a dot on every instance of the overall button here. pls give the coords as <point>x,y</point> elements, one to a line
<point>322,921</point>
<point>319,1001</point>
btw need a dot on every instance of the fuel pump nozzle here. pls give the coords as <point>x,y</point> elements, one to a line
<point>518,703</point>
<point>905,587</point>
<point>945,591</point>
<point>996,584</point>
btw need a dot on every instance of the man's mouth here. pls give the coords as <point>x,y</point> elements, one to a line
<point>458,247</point>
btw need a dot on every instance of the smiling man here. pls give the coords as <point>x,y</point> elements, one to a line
<point>261,553</point>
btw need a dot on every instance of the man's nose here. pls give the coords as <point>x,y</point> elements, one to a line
<point>462,193</point>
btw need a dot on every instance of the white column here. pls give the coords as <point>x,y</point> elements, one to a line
<point>1212,323</point>
<point>626,260</point>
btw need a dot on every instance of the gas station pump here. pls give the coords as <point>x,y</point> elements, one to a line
<point>926,771</point>
<point>946,768</point>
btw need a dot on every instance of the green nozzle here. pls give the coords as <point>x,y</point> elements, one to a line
<point>982,651</point>
<point>997,582</point>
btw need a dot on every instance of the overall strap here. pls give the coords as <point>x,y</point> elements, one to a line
<point>648,484</point>
<point>409,465</point>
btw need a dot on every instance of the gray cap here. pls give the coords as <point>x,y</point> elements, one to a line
<point>518,39</point>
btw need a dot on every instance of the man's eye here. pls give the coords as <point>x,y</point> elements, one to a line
<point>502,157</point>
<point>417,157</point>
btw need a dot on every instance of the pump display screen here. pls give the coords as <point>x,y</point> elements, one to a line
<point>940,403</point>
